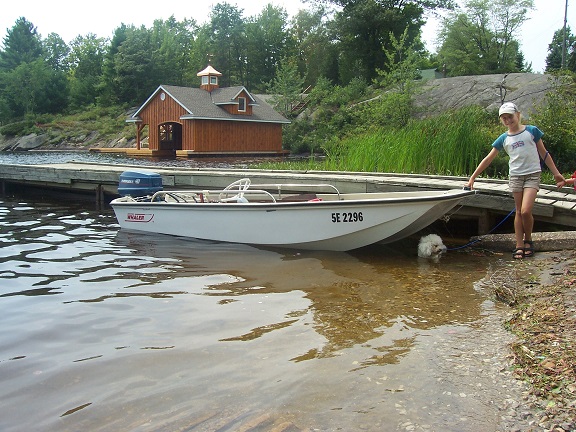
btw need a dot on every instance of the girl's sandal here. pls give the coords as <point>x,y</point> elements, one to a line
<point>518,253</point>
<point>528,251</point>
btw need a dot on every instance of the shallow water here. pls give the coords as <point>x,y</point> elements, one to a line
<point>104,329</point>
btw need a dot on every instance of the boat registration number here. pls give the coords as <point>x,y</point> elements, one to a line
<point>347,217</point>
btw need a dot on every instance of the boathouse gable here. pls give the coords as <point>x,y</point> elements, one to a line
<point>211,120</point>
<point>235,100</point>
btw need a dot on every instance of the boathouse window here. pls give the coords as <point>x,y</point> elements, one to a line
<point>209,79</point>
<point>242,104</point>
<point>166,132</point>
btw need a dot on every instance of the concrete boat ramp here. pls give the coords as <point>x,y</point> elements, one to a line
<point>553,206</point>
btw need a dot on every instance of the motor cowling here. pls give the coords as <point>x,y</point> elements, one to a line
<point>136,183</point>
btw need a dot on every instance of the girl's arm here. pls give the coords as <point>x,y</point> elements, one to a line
<point>547,158</point>
<point>485,163</point>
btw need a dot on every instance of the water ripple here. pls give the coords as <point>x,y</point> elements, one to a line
<point>105,330</point>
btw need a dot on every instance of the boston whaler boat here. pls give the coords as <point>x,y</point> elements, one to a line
<point>269,215</point>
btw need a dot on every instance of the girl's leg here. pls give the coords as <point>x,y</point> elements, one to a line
<point>529,197</point>
<point>528,220</point>
<point>524,219</point>
<point>518,223</point>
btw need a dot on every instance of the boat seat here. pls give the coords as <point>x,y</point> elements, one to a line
<point>300,197</point>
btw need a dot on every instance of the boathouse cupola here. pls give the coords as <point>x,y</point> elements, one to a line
<point>209,77</point>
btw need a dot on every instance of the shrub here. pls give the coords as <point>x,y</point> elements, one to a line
<point>21,128</point>
<point>557,119</point>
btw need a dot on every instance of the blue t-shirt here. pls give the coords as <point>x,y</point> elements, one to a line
<point>521,147</point>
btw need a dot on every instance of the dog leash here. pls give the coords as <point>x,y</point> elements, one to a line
<point>480,238</point>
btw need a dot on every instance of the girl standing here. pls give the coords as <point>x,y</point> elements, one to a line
<point>524,146</point>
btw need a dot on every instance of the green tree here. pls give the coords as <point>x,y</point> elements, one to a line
<point>228,43</point>
<point>34,88</point>
<point>508,16</point>
<point>317,53</point>
<point>201,53</point>
<point>286,86</point>
<point>56,52</point>
<point>521,63</point>
<point>468,47</point>
<point>171,43</point>
<point>86,61</point>
<point>130,72</point>
<point>136,75</point>
<point>21,87</point>
<point>555,48</point>
<point>5,111</point>
<point>109,86</point>
<point>480,40</point>
<point>362,29</point>
<point>557,117</point>
<point>22,44</point>
<point>32,77</point>
<point>401,64</point>
<point>268,41</point>
<point>571,63</point>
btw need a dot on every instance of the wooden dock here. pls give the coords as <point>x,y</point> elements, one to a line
<point>146,152</point>
<point>554,206</point>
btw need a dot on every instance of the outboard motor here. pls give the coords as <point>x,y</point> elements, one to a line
<point>139,183</point>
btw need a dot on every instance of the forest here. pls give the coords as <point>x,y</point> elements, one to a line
<point>339,51</point>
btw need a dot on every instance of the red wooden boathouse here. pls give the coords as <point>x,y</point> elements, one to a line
<point>209,120</point>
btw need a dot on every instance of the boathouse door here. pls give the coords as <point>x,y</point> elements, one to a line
<point>170,136</point>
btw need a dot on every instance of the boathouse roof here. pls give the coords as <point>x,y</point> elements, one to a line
<point>200,104</point>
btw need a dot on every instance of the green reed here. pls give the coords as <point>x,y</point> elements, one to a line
<point>452,143</point>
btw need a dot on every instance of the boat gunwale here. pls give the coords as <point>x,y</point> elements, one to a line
<point>439,196</point>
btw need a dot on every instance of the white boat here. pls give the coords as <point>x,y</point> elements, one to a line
<point>268,215</point>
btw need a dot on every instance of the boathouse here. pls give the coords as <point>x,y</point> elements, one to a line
<point>208,120</point>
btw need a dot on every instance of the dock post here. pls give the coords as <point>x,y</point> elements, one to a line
<point>484,222</point>
<point>99,195</point>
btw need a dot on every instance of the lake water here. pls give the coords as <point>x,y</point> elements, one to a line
<point>45,157</point>
<point>105,330</point>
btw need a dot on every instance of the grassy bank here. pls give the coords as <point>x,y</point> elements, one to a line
<point>86,128</point>
<point>450,144</point>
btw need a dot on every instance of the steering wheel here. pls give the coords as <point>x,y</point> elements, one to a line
<point>239,185</point>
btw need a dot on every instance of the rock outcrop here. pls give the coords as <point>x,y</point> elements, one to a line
<point>27,142</point>
<point>527,90</point>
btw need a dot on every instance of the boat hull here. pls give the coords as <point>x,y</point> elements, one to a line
<point>351,222</point>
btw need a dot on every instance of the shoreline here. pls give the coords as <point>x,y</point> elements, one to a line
<point>541,295</point>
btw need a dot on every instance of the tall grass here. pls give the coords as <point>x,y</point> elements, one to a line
<point>452,143</point>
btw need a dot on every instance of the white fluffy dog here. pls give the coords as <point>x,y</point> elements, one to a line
<point>431,246</point>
